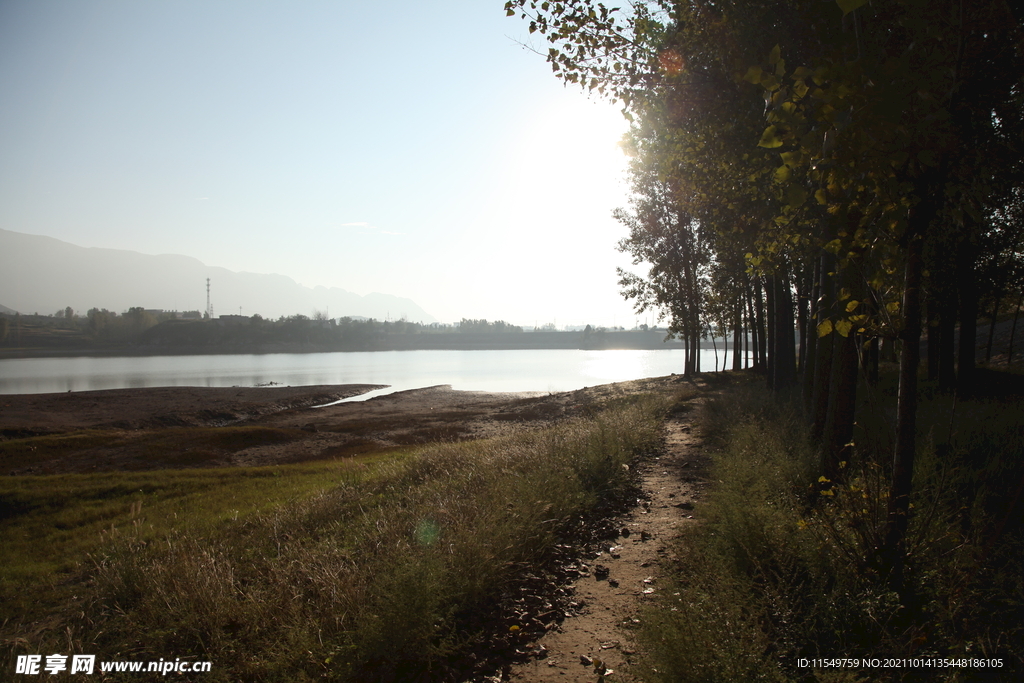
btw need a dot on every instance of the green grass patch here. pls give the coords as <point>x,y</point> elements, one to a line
<point>171,447</point>
<point>51,524</point>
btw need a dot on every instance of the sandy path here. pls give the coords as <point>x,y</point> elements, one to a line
<point>611,601</point>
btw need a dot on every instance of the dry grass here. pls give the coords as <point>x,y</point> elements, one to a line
<point>780,572</point>
<point>381,575</point>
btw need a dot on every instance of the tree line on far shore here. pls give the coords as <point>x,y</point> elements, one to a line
<point>141,327</point>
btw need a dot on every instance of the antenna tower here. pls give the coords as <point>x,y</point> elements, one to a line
<point>209,308</point>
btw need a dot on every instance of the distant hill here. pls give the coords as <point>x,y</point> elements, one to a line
<point>43,274</point>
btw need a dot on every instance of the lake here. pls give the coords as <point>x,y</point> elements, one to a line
<point>517,370</point>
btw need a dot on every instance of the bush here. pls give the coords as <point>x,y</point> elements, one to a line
<point>784,565</point>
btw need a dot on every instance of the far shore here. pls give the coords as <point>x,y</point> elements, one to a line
<point>266,349</point>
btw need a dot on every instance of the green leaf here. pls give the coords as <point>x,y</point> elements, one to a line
<point>782,174</point>
<point>849,5</point>
<point>769,139</point>
<point>753,75</point>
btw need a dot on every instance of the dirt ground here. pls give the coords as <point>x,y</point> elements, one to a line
<point>623,576</point>
<point>177,427</point>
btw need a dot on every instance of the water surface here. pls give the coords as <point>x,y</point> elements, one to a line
<point>504,370</point>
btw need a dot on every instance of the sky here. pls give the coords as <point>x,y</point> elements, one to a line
<point>406,147</point>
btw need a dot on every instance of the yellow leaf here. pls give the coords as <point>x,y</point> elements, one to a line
<point>753,75</point>
<point>852,304</point>
<point>769,139</point>
<point>769,82</point>
<point>782,174</point>
<point>820,196</point>
<point>776,53</point>
<point>791,159</point>
<point>824,328</point>
<point>843,327</point>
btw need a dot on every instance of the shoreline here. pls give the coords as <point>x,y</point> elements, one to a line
<point>189,427</point>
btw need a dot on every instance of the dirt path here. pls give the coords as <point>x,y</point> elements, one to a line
<point>625,575</point>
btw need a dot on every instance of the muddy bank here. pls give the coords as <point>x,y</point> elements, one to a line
<point>182,427</point>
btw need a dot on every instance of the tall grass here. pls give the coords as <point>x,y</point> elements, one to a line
<point>373,578</point>
<point>784,566</point>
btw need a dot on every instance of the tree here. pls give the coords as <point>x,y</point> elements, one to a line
<point>845,149</point>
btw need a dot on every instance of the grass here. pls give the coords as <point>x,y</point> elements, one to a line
<point>391,572</point>
<point>51,524</point>
<point>168,447</point>
<point>784,565</point>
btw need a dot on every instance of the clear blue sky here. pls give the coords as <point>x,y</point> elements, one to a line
<point>406,147</point>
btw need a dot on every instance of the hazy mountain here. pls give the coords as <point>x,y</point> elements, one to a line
<point>43,274</point>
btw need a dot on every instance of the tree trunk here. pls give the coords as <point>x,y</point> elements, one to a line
<point>1013,330</point>
<point>871,354</point>
<point>769,305</point>
<point>785,342</point>
<point>968,320</point>
<point>823,362</point>
<point>947,341</point>
<point>933,336</point>
<point>752,323</point>
<point>737,331</point>
<point>801,319</point>
<point>842,391</point>
<point>906,417</point>
<point>762,338</point>
<point>813,315</point>
<point>992,329</point>
<point>696,350</point>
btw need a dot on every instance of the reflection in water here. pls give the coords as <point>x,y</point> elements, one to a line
<point>518,370</point>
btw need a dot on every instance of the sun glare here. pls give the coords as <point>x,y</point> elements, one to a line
<point>570,145</point>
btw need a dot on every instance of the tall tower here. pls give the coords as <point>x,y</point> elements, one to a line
<point>209,308</point>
